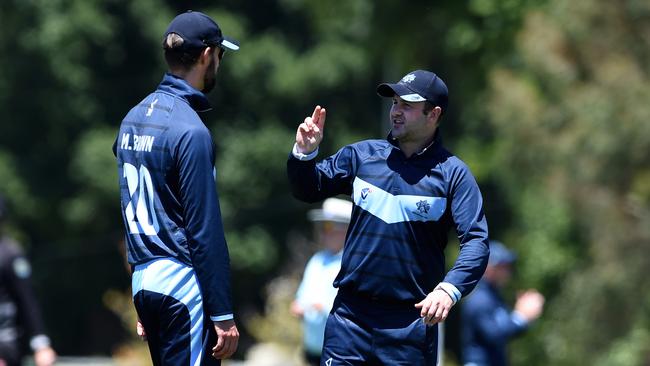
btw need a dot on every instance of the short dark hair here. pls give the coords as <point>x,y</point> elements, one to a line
<point>176,56</point>
<point>428,107</point>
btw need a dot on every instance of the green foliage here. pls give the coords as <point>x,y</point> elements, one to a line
<point>264,151</point>
<point>573,120</point>
<point>93,168</point>
<point>252,250</point>
<point>543,239</point>
<point>13,188</point>
<point>630,350</point>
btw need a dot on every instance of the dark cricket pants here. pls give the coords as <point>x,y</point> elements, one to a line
<point>366,332</point>
<point>168,301</point>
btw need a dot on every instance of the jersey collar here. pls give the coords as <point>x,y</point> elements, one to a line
<point>426,151</point>
<point>179,87</point>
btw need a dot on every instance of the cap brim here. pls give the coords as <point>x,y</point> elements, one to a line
<point>389,90</point>
<point>230,44</point>
<point>319,215</point>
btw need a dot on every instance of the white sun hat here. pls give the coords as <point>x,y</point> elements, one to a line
<point>334,209</point>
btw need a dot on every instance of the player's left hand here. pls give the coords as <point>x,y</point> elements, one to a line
<point>435,307</point>
<point>296,309</point>
<point>227,339</point>
<point>139,329</point>
<point>44,357</point>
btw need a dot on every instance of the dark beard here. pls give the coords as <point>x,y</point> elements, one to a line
<point>210,77</point>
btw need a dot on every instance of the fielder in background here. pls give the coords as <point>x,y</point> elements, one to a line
<point>174,234</point>
<point>20,315</point>
<point>488,324</point>
<point>316,293</point>
<point>408,191</point>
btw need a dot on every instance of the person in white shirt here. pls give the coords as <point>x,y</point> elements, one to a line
<point>316,293</point>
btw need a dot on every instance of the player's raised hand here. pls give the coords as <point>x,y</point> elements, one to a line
<point>435,307</point>
<point>310,132</point>
<point>227,339</point>
<point>530,304</point>
<point>44,356</point>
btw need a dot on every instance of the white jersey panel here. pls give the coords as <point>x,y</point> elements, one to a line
<point>396,208</point>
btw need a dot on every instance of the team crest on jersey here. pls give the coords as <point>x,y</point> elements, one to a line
<point>365,192</point>
<point>408,78</point>
<point>423,207</point>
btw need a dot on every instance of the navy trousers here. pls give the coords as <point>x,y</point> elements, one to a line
<point>168,300</point>
<point>167,324</point>
<point>364,332</point>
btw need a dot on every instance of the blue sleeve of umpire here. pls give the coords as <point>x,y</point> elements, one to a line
<point>207,242</point>
<point>313,182</point>
<point>471,227</point>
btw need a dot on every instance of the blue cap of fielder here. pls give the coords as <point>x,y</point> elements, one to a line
<point>334,209</point>
<point>499,254</point>
<point>418,86</point>
<point>198,31</point>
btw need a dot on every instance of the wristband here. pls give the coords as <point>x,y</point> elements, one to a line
<point>38,342</point>
<point>450,290</point>
<point>303,157</point>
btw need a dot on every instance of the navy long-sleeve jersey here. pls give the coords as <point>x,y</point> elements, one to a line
<point>170,207</point>
<point>403,210</point>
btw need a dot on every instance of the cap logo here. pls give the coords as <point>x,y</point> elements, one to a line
<point>408,78</point>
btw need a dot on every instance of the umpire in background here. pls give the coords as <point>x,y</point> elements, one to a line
<point>488,324</point>
<point>20,316</point>
<point>407,191</point>
<point>316,294</point>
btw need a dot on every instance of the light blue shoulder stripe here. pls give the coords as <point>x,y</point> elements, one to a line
<point>401,208</point>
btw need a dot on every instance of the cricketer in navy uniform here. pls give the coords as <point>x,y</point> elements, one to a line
<point>408,191</point>
<point>20,313</point>
<point>174,235</point>
<point>488,324</point>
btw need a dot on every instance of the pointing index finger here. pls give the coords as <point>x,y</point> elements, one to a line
<point>321,118</point>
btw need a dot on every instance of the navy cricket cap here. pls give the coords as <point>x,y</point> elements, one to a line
<point>198,31</point>
<point>418,86</point>
<point>499,254</point>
